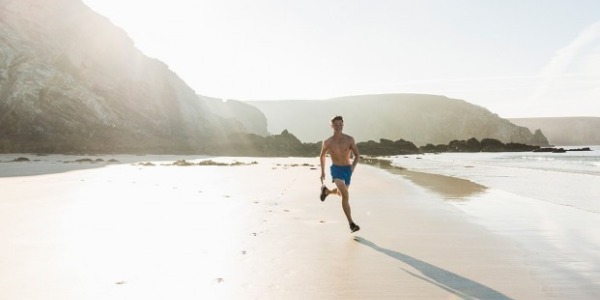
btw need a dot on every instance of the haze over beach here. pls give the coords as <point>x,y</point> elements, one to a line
<point>124,174</point>
<point>516,58</point>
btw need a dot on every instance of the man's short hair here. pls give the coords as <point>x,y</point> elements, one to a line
<point>336,118</point>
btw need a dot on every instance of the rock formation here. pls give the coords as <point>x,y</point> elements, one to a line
<point>421,119</point>
<point>70,81</point>
<point>250,118</point>
<point>565,131</point>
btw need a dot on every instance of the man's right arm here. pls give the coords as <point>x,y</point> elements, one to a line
<point>322,158</point>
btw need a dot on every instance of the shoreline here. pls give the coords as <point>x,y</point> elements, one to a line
<point>60,163</point>
<point>449,187</point>
<point>538,227</point>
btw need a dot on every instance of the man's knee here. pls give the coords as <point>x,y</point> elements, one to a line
<point>345,195</point>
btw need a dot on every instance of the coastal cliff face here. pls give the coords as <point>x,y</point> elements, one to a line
<point>72,81</point>
<point>421,119</point>
<point>250,118</point>
<point>566,131</point>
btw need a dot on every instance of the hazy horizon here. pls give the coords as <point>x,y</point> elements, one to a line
<point>517,59</point>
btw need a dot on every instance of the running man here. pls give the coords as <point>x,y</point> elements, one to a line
<point>340,146</point>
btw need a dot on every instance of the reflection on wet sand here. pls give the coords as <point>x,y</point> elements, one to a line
<point>451,188</point>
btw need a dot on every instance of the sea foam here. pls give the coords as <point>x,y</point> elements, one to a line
<point>570,179</point>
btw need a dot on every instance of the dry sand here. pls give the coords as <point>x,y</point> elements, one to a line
<point>246,232</point>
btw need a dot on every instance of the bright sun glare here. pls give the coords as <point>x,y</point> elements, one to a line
<point>271,50</point>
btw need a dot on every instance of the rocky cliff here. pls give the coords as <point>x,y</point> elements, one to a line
<point>248,117</point>
<point>421,119</point>
<point>72,81</point>
<point>565,131</point>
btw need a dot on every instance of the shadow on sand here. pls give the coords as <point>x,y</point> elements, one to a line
<point>452,283</point>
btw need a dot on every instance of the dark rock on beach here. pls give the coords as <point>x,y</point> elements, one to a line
<point>21,159</point>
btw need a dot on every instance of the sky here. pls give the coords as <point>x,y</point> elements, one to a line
<point>517,58</point>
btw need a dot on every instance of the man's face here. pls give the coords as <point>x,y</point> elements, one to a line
<point>337,125</point>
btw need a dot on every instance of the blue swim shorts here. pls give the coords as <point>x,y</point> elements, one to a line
<point>341,172</point>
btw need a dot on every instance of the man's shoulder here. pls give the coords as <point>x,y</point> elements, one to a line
<point>348,137</point>
<point>345,138</point>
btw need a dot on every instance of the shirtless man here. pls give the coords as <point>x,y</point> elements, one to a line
<point>340,146</point>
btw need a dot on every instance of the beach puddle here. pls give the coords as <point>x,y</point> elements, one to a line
<point>450,188</point>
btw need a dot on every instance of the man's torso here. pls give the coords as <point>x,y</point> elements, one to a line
<point>340,149</point>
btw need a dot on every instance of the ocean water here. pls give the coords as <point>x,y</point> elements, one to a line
<point>548,203</point>
<point>570,179</point>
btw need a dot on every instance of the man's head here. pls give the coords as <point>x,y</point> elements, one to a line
<point>337,118</point>
<point>337,123</point>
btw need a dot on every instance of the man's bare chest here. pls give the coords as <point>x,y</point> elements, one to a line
<point>339,147</point>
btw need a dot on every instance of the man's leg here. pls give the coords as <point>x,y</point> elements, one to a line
<point>342,190</point>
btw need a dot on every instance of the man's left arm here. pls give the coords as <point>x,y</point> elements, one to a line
<point>354,150</point>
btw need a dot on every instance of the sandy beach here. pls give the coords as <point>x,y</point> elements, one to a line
<point>251,231</point>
